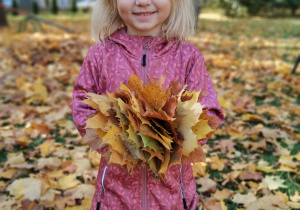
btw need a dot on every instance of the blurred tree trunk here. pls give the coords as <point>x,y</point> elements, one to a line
<point>293,10</point>
<point>3,21</point>
<point>47,4</point>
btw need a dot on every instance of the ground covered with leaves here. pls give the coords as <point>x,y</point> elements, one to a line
<point>253,160</point>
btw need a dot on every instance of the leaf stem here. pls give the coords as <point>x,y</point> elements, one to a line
<point>290,178</point>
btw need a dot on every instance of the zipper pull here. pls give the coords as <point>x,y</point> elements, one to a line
<point>144,60</point>
<point>98,205</point>
<point>184,203</point>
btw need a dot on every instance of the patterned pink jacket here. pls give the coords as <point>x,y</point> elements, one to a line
<point>104,67</point>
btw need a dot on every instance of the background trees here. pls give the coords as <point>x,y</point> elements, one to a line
<point>3,20</point>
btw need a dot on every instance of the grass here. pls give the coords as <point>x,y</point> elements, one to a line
<point>251,26</point>
<point>262,27</point>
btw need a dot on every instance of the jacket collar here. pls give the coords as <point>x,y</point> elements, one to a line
<point>134,45</point>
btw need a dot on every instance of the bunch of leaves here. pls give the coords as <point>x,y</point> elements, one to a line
<point>152,125</point>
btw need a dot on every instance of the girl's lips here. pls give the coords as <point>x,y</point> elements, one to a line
<point>144,13</point>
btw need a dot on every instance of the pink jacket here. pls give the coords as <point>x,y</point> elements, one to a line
<point>104,67</point>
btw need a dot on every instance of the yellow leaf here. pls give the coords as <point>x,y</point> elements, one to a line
<point>102,101</point>
<point>217,164</point>
<point>164,165</point>
<point>116,158</point>
<point>40,92</point>
<point>191,111</point>
<point>9,173</point>
<point>135,105</point>
<point>226,104</point>
<point>223,205</point>
<point>97,121</point>
<point>267,169</point>
<point>85,204</point>
<point>2,183</point>
<point>223,194</point>
<point>155,95</point>
<point>201,129</point>
<point>55,174</point>
<point>68,181</point>
<point>113,139</point>
<point>28,188</point>
<point>132,136</point>
<point>296,197</point>
<point>24,141</point>
<point>49,195</point>
<point>14,159</point>
<point>95,157</point>
<point>90,102</point>
<point>135,83</point>
<point>294,205</point>
<point>199,169</point>
<point>47,148</point>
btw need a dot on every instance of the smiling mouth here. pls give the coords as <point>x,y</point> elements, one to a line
<point>144,13</point>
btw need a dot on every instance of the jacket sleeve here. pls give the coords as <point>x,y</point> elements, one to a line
<point>88,81</point>
<point>198,78</point>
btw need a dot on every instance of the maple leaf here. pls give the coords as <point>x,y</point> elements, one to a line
<point>113,139</point>
<point>170,106</point>
<point>97,121</point>
<point>216,163</point>
<point>195,156</point>
<point>202,129</point>
<point>132,143</point>
<point>150,142</point>
<point>207,184</point>
<point>165,164</point>
<point>191,111</point>
<point>101,100</point>
<point>30,188</point>
<point>223,194</point>
<point>244,199</point>
<point>268,202</point>
<point>273,182</point>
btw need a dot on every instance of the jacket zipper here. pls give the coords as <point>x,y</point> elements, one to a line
<point>144,188</point>
<point>144,168</point>
<point>102,192</point>
<point>182,189</point>
<point>145,59</point>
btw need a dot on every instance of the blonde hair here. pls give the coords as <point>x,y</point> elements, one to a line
<point>106,20</point>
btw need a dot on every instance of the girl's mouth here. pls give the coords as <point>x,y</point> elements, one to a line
<point>144,13</point>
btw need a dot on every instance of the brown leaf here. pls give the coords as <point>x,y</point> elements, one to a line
<point>195,156</point>
<point>206,184</point>
<point>223,194</point>
<point>170,106</point>
<point>212,205</point>
<point>268,202</point>
<point>175,87</point>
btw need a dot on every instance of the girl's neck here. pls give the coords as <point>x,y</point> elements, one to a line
<point>156,33</point>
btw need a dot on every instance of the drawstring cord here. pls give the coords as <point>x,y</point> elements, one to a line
<point>182,189</point>
<point>103,189</point>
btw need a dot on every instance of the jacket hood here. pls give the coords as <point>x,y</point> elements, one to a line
<point>135,45</point>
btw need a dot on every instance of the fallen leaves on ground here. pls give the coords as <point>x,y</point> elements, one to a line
<point>253,159</point>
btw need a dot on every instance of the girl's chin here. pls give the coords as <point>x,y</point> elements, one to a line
<point>145,30</point>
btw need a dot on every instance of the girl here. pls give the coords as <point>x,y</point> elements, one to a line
<point>144,37</point>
